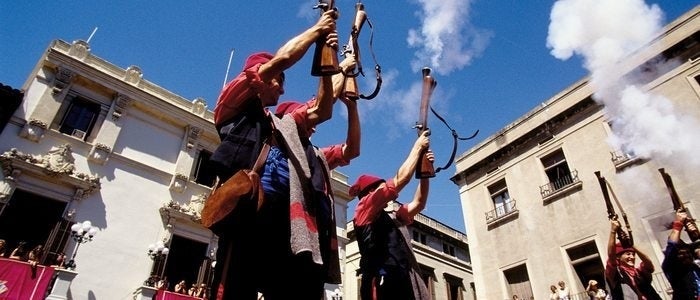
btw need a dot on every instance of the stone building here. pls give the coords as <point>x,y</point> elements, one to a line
<point>94,142</point>
<point>533,206</point>
<point>442,253</point>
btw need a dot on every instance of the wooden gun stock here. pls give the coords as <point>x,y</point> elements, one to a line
<point>351,90</point>
<point>325,60</point>
<point>690,227</point>
<point>425,168</point>
<point>625,238</point>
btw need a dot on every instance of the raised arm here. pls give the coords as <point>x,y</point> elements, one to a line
<point>420,199</point>
<point>677,228</point>
<point>405,172</point>
<point>292,51</point>
<point>329,89</point>
<point>614,225</point>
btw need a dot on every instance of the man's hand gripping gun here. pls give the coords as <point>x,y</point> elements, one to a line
<point>690,227</point>
<point>425,167</point>
<point>325,61</point>
<point>625,238</point>
<point>353,49</point>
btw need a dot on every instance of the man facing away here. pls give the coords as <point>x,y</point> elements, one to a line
<point>245,124</point>
<point>388,266</point>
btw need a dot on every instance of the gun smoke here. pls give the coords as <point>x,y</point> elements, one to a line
<point>446,40</point>
<point>604,33</point>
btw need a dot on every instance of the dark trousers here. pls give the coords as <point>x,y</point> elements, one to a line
<point>390,286</point>
<point>254,255</point>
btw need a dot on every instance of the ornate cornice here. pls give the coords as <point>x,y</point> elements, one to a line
<point>190,211</point>
<point>57,164</point>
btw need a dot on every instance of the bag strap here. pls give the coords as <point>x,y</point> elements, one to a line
<point>262,156</point>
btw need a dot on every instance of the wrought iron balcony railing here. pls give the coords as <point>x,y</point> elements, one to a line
<point>501,212</point>
<point>561,183</point>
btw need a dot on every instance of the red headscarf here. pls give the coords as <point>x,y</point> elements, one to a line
<point>257,58</point>
<point>363,183</point>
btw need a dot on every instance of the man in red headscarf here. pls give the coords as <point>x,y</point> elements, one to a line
<point>388,266</point>
<point>244,125</point>
<point>625,280</point>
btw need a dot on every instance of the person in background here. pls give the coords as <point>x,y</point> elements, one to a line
<point>595,292</point>
<point>3,248</point>
<point>387,263</point>
<point>20,251</point>
<point>244,123</point>
<point>624,279</point>
<point>181,287</point>
<point>563,291</point>
<point>679,265</point>
<point>554,295</point>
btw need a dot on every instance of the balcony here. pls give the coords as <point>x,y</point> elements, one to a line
<point>560,186</point>
<point>502,213</point>
<point>622,159</point>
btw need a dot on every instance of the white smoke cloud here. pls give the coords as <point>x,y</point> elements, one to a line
<point>446,39</point>
<point>604,33</point>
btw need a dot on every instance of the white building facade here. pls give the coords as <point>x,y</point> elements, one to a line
<point>533,206</point>
<point>93,141</point>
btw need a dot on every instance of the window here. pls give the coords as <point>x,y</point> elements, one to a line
<point>419,237</point>
<point>557,169</point>
<point>203,172</point>
<point>187,260</point>
<point>21,221</point>
<point>448,249</point>
<point>80,117</point>
<point>558,173</point>
<point>501,199</point>
<point>518,282</point>
<point>428,276</point>
<point>454,287</point>
<point>587,262</point>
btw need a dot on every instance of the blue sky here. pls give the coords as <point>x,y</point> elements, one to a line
<point>490,59</point>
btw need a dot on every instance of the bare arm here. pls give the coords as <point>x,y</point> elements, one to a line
<point>403,176</point>
<point>675,234</point>
<point>329,89</point>
<point>645,259</point>
<point>614,225</point>
<point>351,149</point>
<point>420,199</point>
<point>292,51</point>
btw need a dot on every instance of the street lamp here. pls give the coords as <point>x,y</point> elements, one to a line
<point>81,233</point>
<point>337,294</point>
<point>156,252</point>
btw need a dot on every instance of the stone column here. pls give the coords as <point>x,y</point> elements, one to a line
<point>64,278</point>
<point>109,132</point>
<point>145,293</point>
<point>185,160</point>
<point>49,104</point>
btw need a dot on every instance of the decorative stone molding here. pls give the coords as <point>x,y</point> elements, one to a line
<point>191,210</point>
<point>199,106</point>
<point>62,79</point>
<point>99,153</point>
<point>179,183</point>
<point>57,164</point>
<point>121,103</point>
<point>133,75</point>
<point>79,49</point>
<point>193,133</point>
<point>7,188</point>
<point>34,130</point>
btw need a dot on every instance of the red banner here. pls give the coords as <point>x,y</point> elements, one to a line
<point>165,295</point>
<point>19,282</point>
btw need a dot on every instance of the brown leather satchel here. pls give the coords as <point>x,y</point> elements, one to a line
<point>244,185</point>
